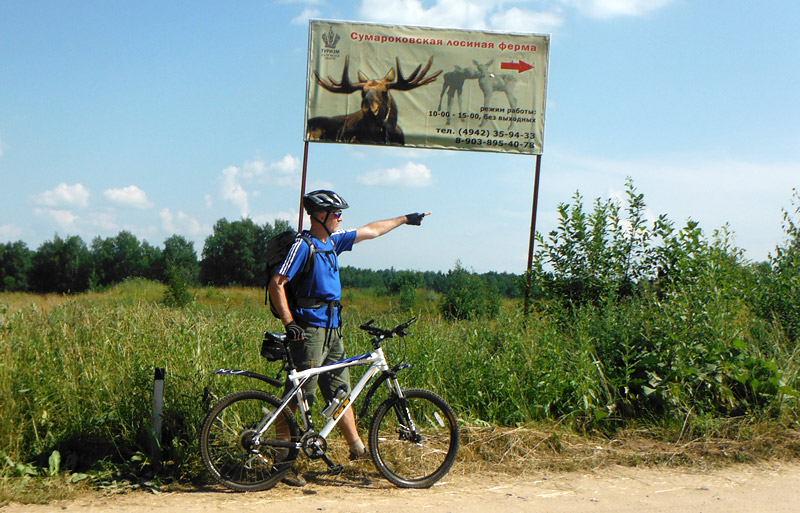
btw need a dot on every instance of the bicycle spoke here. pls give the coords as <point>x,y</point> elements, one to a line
<point>414,457</point>
<point>228,447</point>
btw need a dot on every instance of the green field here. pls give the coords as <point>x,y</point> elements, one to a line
<point>76,374</point>
<point>654,334</point>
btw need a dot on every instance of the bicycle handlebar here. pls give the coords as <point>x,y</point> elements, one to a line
<point>380,333</point>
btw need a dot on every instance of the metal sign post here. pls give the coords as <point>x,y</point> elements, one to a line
<point>534,208</point>
<point>422,87</point>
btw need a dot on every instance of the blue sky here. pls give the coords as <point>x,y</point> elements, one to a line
<point>163,117</point>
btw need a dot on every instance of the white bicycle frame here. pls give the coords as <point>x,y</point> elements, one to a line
<point>377,362</point>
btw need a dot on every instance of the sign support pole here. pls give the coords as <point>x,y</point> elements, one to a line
<point>529,273</point>
<point>303,188</point>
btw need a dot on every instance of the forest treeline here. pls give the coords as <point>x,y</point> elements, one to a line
<point>233,255</point>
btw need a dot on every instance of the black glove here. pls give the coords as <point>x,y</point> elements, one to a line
<point>415,218</point>
<point>294,332</point>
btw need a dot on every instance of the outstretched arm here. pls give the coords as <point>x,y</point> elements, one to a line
<point>378,228</point>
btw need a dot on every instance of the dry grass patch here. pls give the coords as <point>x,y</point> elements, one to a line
<point>523,449</point>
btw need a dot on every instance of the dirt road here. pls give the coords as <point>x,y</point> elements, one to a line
<point>766,488</point>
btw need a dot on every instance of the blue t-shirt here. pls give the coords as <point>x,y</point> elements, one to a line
<point>323,283</point>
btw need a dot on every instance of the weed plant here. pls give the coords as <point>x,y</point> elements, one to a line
<point>673,337</point>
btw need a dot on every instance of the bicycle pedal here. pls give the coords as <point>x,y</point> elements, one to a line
<point>335,469</point>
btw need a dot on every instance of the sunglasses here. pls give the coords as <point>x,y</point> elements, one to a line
<point>338,215</point>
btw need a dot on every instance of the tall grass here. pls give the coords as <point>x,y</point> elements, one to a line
<point>76,373</point>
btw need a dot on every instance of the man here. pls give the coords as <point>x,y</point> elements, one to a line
<point>314,325</point>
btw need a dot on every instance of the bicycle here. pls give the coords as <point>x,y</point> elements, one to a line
<point>413,437</point>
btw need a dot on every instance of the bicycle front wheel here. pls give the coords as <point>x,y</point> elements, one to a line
<point>232,452</point>
<point>414,440</point>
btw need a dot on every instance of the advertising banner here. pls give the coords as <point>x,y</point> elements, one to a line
<point>426,88</point>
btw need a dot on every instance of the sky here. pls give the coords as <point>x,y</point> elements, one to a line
<point>161,118</point>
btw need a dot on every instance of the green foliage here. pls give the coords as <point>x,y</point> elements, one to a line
<point>179,253</point>
<point>632,324</point>
<point>68,266</point>
<point>778,281</point>
<point>177,294</point>
<point>666,315</point>
<point>508,284</point>
<point>235,253</point>
<point>61,265</point>
<point>468,297</point>
<point>15,264</point>
<point>591,256</point>
<point>116,259</point>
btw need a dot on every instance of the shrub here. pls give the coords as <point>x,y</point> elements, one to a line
<point>467,296</point>
<point>177,294</point>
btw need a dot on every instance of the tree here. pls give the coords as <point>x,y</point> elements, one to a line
<point>778,290</point>
<point>468,296</point>
<point>15,264</point>
<point>591,256</point>
<point>151,262</point>
<point>121,257</point>
<point>61,265</point>
<point>179,254</point>
<point>235,252</point>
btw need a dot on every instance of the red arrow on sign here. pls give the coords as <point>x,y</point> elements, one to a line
<point>519,66</point>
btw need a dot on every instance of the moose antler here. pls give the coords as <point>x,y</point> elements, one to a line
<point>344,85</point>
<point>416,79</point>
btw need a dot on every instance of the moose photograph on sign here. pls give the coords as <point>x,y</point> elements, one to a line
<point>376,121</point>
<point>423,87</point>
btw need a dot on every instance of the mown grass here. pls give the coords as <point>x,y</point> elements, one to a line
<point>76,375</point>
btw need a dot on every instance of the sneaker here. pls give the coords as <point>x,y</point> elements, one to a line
<point>292,478</point>
<point>359,456</point>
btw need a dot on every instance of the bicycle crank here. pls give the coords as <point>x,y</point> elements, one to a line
<point>316,447</point>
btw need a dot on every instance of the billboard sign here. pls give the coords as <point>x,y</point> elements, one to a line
<point>426,88</point>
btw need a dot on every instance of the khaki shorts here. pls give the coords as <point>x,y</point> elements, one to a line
<point>321,347</point>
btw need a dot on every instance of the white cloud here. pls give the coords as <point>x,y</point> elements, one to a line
<point>9,231</point>
<point>64,196</point>
<point>284,172</point>
<point>307,14</point>
<point>105,222</point>
<point>498,14</point>
<point>320,184</point>
<point>712,191</point>
<point>469,14</point>
<point>605,9</point>
<point>525,20</point>
<point>65,219</point>
<point>180,223</point>
<point>411,175</point>
<point>231,189</point>
<point>236,184</point>
<point>270,218</point>
<point>130,196</point>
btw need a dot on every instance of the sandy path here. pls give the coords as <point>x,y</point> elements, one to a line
<point>768,487</point>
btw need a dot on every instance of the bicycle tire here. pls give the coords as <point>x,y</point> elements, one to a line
<point>418,458</point>
<point>226,446</point>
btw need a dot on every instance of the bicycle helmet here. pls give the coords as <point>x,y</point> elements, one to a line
<point>323,200</point>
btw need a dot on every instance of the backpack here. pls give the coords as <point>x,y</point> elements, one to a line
<point>277,249</point>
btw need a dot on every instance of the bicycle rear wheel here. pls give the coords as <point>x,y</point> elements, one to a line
<point>414,441</point>
<point>230,450</point>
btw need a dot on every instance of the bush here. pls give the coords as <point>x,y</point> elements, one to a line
<point>467,296</point>
<point>177,294</point>
<point>778,281</point>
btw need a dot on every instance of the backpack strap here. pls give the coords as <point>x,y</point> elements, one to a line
<point>312,249</point>
<point>307,302</point>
